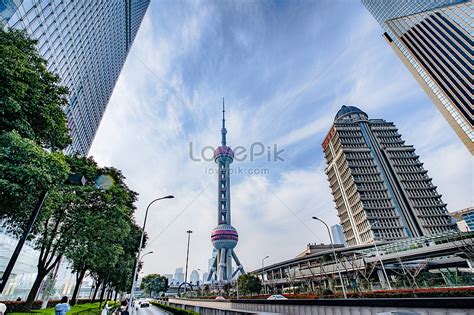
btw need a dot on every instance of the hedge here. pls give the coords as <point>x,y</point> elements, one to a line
<point>174,310</point>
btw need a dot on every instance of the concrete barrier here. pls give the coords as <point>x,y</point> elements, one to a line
<point>422,306</point>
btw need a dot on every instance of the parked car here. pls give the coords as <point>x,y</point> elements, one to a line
<point>276,297</point>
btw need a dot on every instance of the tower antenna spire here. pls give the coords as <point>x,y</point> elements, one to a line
<point>223,130</point>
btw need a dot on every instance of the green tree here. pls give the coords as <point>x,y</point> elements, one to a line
<point>26,169</point>
<point>154,283</point>
<point>87,224</point>
<point>31,97</point>
<point>249,284</point>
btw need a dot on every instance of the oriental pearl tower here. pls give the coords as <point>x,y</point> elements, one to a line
<point>224,237</point>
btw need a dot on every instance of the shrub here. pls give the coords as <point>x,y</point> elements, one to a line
<point>174,310</point>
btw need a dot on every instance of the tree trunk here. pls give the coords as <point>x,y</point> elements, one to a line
<point>79,279</point>
<point>34,290</point>
<point>104,286</point>
<point>115,298</point>
<point>97,286</point>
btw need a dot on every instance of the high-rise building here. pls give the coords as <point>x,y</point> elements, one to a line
<point>86,44</point>
<point>381,190</point>
<point>178,276</point>
<point>434,40</point>
<point>194,277</point>
<point>338,234</point>
<point>464,219</point>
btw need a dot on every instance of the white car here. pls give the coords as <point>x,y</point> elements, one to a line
<point>276,297</point>
<point>220,298</point>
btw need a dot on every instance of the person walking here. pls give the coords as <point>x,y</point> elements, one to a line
<point>123,310</point>
<point>63,307</point>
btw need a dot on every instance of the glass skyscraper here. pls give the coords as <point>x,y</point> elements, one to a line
<point>380,188</point>
<point>434,39</point>
<point>86,44</point>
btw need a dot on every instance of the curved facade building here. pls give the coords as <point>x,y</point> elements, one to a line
<point>380,188</point>
<point>86,44</point>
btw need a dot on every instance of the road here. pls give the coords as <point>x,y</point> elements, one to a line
<point>152,310</point>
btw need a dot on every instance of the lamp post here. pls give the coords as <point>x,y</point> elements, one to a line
<point>73,179</point>
<point>132,292</point>
<point>187,258</point>
<point>263,275</point>
<point>335,257</point>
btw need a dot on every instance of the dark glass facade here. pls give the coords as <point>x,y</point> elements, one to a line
<point>86,44</point>
<point>434,39</point>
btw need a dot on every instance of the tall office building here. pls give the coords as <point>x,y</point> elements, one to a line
<point>86,44</point>
<point>379,185</point>
<point>338,234</point>
<point>434,40</point>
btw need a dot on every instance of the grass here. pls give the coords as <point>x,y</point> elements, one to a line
<point>74,309</point>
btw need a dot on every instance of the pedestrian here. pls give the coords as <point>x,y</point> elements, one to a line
<point>63,307</point>
<point>123,310</point>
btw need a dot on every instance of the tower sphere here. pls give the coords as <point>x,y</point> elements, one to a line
<point>223,153</point>
<point>224,236</point>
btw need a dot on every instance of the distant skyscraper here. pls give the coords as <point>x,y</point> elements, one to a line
<point>464,219</point>
<point>338,234</point>
<point>194,277</point>
<point>178,276</point>
<point>86,44</point>
<point>224,237</point>
<point>379,185</point>
<point>434,40</point>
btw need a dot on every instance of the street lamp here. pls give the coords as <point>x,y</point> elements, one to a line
<point>187,258</point>
<point>335,258</point>
<point>132,292</point>
<point>263,275</point>
<point>149,253</point>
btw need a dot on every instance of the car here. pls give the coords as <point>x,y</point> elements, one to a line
<point>143,303</point>
<point>276,297</point>
<point>220,298</point>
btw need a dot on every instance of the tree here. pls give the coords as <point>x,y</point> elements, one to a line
<point>26,169</point>
<point>249,284</point>
<point>89,225</point>
<point>31,97</point>
<point>154,283</point>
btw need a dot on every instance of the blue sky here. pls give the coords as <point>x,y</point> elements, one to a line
<point>284,68</point>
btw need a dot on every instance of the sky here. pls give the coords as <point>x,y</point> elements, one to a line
<point>284,68</point>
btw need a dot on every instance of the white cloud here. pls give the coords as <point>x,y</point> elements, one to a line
<point>174,98</point>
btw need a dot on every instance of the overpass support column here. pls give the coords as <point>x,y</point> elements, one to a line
<point>382,279</point>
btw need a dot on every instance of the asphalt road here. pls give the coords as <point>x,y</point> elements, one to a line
<point>152,310</point>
